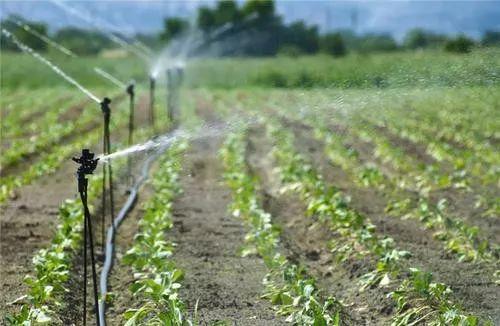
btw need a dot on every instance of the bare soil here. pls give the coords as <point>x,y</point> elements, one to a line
<point>473,286</point>
<point>222,285</point>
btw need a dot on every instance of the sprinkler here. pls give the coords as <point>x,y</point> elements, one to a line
<point>180,75</point>
<point>106,168</point>
<point>129,89</point>
<point>152,83</point>
<point>87,166</point>
<point>131,92</point>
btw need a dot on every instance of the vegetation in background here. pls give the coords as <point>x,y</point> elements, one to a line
<point>460,44</point>
<point>24,36</point>
<point>382,70</point>
<point>253,29</point>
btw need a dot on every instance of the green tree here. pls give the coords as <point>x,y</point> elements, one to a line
<point>264,9</point>
<point>205,19</point>
<point>12,25</point>
<point>81,41</point>
<point>173,27</point>
<point>304,37</point>
<point>419,39</point>
<point>333,44</point>
<point>227,12</point>
<point>460,44</point>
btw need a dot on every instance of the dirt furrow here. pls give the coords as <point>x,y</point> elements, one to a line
<point>306,241</point>
<point>473,286</point>
<point>219,283</point>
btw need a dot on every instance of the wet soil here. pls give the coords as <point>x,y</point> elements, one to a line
<point>307,241</point>
<point>219,285</point>
<point>461,202</point>
<point>473,287</point>
<point>27,225</point>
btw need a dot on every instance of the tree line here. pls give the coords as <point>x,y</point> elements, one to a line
<point>251,29</point>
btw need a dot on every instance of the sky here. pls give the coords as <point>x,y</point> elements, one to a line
<point>393,17</point>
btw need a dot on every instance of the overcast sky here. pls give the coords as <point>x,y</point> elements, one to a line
<point>396,17</point>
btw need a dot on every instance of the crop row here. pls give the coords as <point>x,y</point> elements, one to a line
<point>459,238</point>
<point>356,236</point>
<point>49,133</point>
<point>21,108</point>
<point>52,265</point>
<point>156,278</point>
<point>288,287</point>
<point>51,161</point>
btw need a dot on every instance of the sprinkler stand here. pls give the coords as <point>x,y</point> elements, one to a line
<point>106,169</point>
<point>152,83</point>
<point>131,93</point>
<point>87,166</point>
<point>170,94</point>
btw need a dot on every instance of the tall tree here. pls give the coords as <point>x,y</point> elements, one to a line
<point>173,27</point>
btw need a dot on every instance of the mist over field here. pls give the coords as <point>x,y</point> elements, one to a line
<point>259,162</point>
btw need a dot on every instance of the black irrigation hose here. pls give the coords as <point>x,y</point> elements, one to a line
<point>110,238</point>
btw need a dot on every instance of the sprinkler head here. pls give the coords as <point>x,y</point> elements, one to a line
<point>87,162</point>
<point>105,105</point>
<point>130,89</point>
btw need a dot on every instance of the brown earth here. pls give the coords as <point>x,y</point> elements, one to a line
<point>473,287</point>
<point>28,223</point>
<point>220,286</point>
<point>307,241</point>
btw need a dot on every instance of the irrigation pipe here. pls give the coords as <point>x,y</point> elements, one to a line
<point>110,237</point>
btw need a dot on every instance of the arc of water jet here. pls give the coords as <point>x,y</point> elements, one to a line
<point>44,38</point>
<point>136,50</point>
<point>204,131</point>
<point>55,68</point>
<point>110,77</point>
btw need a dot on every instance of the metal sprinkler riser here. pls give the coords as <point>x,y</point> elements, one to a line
<point>87,166</point>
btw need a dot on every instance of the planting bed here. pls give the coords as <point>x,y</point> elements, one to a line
<point>351,208</point>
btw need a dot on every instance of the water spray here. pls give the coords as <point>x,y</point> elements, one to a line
<point>52,66</point>
<point>138,51</point>
<point>129,89</point>
<point>110,77</point>
<point>174,81</point>
<point>107,172</point>
<point>87,166</point>
<point>44,38</point>
<point>204,131</point>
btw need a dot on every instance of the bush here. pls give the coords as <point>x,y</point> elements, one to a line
<point>491,38</point>
<point>376,43</point>
<point>289,50</point>
<point>419,39</point>
<point>272,78</point>
<point>460,44</point>
<point>333,44</point>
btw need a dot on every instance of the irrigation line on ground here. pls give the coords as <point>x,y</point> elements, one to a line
<point>110,237</point>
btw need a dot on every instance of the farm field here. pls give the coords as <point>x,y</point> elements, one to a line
<point>315,196</point>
